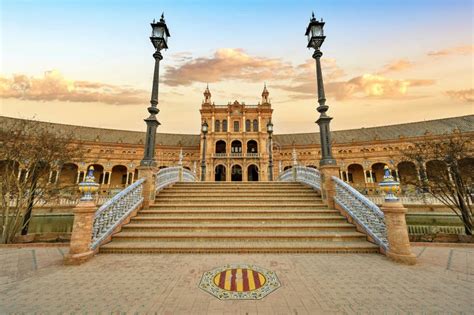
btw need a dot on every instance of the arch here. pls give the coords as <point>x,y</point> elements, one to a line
<point>252,146</point>
<point>312,166</point>
<point>436,170</point>
<point>378,171</point>
<point>355,174</point>
<point>287,167</point>
<point>224,125</point>
<point>236,146</point>
<point>68,174</point>
<point>118,176</point>
<point>236,173</point>
<point>162,167</point>
<point>98,172</point>
<point>221,146</point>
<point>407,172</point>
<point>247,125</point>
<point>220,173</point>
<point>466,170</point>
<point>255,125</point>
<point>252,173</point>
<point>217,126</point>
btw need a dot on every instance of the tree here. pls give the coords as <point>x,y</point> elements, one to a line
<point>31,154</point>
<point>446,171</point>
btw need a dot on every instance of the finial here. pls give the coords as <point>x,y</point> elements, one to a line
<point>162,17</point>
<point>88,187</point>
<point>312,14</point>
<point>154,21</point>
<point>389,185</point>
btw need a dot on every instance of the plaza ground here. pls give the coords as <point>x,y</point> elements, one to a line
<point>33,279</point>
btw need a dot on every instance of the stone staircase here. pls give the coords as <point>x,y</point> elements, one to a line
<point>253,217</point>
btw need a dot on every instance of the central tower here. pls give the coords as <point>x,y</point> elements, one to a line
<point>237,141</point>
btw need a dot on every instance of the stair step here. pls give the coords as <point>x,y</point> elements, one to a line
<point>234,213</point>
<point>240,247</point>
<point>241,226</point>
<point>207,199</point>
<point>247,206</point>
<point>199,220</point>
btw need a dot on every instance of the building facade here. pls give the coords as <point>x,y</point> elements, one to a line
<point>238,148</point>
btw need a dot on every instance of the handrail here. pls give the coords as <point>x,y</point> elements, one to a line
<point>170,175</point>
<point>363,211</point>
<point>307,175</point>
<point>114,211</point>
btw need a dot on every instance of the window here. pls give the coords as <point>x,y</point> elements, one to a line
<point>236,126</point>
<point>217,126</point>
<point>247,125</point>
<point>224,125</point>
<point>255,125</point>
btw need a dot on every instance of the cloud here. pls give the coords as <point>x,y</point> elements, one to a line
<point>462,95</point>
<point>227,64</point>
<point>396,66</point>
<point>459,50</point>
<point>54,87</point>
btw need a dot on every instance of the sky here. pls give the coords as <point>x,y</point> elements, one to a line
<point>90,63</point>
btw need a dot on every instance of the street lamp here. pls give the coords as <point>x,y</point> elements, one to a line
<point>204,129</point>
<point>159,39</point>
<point>315,33</point>
<point>270,151</point>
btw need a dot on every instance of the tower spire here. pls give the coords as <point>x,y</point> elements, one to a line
<point>265,94</point>
<point>207,95</point>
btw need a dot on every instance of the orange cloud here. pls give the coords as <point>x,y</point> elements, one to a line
<point>462,95</point>
<point>54,87</point>
<point>397,65</point>
<point>459,50</point>
<point>227,64</point>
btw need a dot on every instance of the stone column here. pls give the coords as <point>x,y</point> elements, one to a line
<point>399,248</point>
<point>328,188</point>
<point>84,212</point>
<point>149,185</point>
<point>79,248</point>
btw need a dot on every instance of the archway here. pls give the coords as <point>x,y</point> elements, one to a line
<point>236,146</point>
<point>118,176</point>
<point>252,146</point>
<point>407,173</point>
<point>68,174</point>
<point>287,168</point>
<point>436,171</point>
<point>220,173</point>
<point>98,172</point>
<point>252,173</point>
<point>221,146</point>
<point>378,172</point>
<point>236,173</point>
<point>355,174</point>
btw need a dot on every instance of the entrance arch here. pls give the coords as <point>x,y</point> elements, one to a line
<point>236,173</point>
<point>219,173</point>
<point>252,173</point>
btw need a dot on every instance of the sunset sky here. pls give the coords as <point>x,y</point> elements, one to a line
<point>90,62</point>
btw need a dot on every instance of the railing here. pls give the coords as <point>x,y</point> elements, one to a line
<point>170,175</point>
<point>235,155</point>
<point>363,211</point>
<point>409,200</point>
<point>307,175</point>
<point>113,212</point>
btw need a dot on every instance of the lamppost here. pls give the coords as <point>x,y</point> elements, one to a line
<point>204,129</point>
<point>159,38</point>
<point>270,150</point>
<point>316,37</point>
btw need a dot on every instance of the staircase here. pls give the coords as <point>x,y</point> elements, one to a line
<point>253,217</point>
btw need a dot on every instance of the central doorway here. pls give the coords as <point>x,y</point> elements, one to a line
<point>236,173</point>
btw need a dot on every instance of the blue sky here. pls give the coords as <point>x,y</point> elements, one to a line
<point>107,42</point>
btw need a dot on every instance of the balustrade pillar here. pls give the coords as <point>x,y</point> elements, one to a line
<point>147,172</point>
<point>328,187</point>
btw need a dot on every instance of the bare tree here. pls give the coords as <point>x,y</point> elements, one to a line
<point>31,154</point>
<point>446,171</point>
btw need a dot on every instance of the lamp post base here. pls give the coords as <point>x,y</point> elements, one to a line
<point>328,189</point>
<point>149,185</point>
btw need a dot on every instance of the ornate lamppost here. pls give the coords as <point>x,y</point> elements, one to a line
<point>270,150</point>
<point>316,37</point>
<point>159,39</point>
<point>204,129</point>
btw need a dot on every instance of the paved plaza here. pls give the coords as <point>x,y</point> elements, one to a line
<point>34,280</point>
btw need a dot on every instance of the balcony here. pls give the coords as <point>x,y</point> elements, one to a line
<point>235,155</point>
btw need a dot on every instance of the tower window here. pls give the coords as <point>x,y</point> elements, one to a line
<point>236,126</point>
<point>224,125</point>
<point>217,126</point>
<point>255,125</point>
<point>247,125</point>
